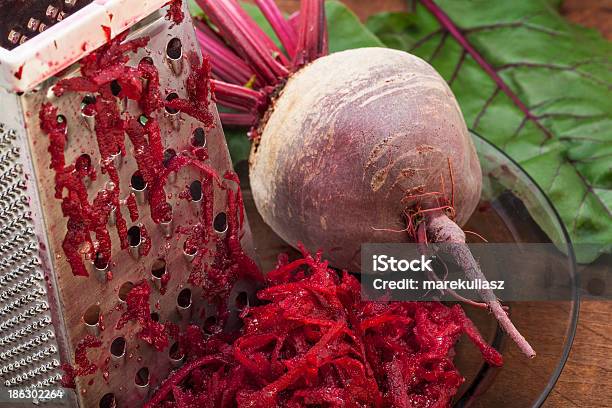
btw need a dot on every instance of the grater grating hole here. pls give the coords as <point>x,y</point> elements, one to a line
<point>124,290</point>
<point>199,138</point>
<point>189,250</point>
<point>220,223</point>
<point>169,98</point>
<point>141,379</point>
<point>108,401</point>
<point>118,347</point>
<point>183,300</point>
<point>195,189</point>
<point>100,262</point>
<point>142,119</point>
<point>242,301</point>
<point>175,353</point>
<point>155,316</point>
<point>210,325</point>
<point>91,317</point>
<point>137,182</point>
<point>87,105</point>
<point>88,100</point>
<point>134,236</point>
<point>174,49</point>
<point>115,87</point>
<point>169,154</point>
<point>83,163</point>
<point>158,270</point>
<point>147,60</point>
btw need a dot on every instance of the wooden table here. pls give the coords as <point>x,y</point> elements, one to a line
<point>586,380</point>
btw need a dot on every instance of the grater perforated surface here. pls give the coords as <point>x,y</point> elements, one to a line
<point>48,309</point>
<point>29,18</point>
<point>28,350</point>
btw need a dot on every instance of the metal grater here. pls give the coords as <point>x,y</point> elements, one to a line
<point>44,309</point>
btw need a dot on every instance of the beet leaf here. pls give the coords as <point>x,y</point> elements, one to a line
<point>533,84</point>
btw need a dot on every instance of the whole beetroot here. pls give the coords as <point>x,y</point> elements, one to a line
<point>349,138</point>
<point>366,145</point>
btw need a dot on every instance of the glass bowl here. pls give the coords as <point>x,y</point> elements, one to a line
<point>510,205</point>
<point>511,201</point>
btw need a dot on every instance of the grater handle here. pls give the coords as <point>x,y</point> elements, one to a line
<point>66,42</point>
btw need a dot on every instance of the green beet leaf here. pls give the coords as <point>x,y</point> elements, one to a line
<point>560,73</point>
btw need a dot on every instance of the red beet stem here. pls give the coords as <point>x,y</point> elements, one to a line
<point>446,22</point>
<point>256,30</point>
<point>442,229</point>
<point>247,39</point>
<point>226,65</point>
<point>238,119</point>
<point>294,20</point>
<point>238,97</point>
<point>312,40</point>
<point>284,31</point>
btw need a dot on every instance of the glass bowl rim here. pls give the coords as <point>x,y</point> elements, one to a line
<point>575,302</point>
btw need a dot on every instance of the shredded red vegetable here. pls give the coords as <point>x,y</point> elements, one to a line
<point>99,71</point>
<point>83,365</point>
<point>103,72</point>
<point>152,332</point>
<point>198,90</point>
<point>314,342</point>
<point>175,11</point>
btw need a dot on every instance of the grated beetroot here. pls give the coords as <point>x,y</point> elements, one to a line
<point>83,365</point>
<point>198,90</point>
<point>152,332</point>
<point>314,342</point>
<point>83,218</point>
<point>145,244</point>
<point>132,207</point>
<point>175,12</point>
<point>150,100</point>
<point>98,71</point>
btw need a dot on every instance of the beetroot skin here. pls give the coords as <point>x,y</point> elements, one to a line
<point>350,136</point>
<point>315,343</point>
